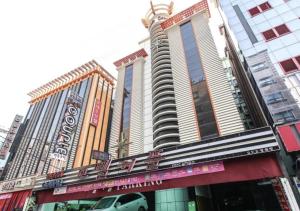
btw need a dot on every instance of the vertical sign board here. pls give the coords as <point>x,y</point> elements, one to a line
<point>96,113</point>
<point>10,136</point>
<point>65,137</point>
<point>278,189</point>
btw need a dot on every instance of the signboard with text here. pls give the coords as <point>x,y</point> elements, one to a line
<point>152,178</point>
<point>67,129</point>
<point>17,184</point>
<point>183,156</point>
<point>10,136</point>
<point>96,112</point>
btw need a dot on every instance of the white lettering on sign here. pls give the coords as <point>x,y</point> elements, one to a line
<point>66,134</point>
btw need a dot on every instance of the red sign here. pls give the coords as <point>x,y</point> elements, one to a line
<point>82,172</point>
<point>153,160</point>
<point>280,195</point>
<point>102,167</point>
<point>96,112</point>
<point>126,164</point>
<point>151,177</point>
<point>55,175</point>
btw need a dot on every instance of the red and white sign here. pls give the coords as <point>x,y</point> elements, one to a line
<point>96,112</point>
<point>128,164</point>
<point>151,177</point>
<point>280,195</point>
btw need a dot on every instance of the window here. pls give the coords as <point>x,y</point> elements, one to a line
<point>276,32</point>
<point>260,8</point>
<point>265,6</point>
<point>288,65</point>
<point>269,34</point>
<point>258,67</point>
<point>274,98</point>
<point>297,58</point>
<point>206,119</point>
<point>282,29</point>
<point>126,108</point>
<point>291,64</point>
<point>266,81</point>
<point>284,116</point>
<point>254,11</point>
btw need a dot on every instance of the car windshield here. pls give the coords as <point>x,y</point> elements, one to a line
<point>105,203</point>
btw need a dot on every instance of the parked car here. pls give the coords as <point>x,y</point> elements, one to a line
<point>123,202</point>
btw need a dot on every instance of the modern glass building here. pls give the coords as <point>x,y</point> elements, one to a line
<point>67,119</point>
<point>267,33</point>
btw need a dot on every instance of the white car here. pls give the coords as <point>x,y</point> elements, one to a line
<point>123,202</point>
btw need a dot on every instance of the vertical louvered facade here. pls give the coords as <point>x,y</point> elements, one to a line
<point>127,121</point>
<point>67,119</point>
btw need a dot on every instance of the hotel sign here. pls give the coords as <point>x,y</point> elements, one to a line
<point>153,160</point>
<point>148,179</point>
<point>234,146</point>
<point>102,168</point>
<point>68,126</point>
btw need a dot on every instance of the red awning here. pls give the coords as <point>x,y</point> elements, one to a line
<point>11,201</point>
<point>289,135</point>
<point>242,169</point>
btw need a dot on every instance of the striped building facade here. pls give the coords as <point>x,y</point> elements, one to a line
<point>67,119</point>
<point>127,120</point>
<point>179,77</point>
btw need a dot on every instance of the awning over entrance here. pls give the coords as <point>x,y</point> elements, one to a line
<point>241,169</point>
<point>11,201</point>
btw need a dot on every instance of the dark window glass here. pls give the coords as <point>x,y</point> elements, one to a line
<point>274,98</point>
<point>288,65</point>
<point>265,6</point>
<point>123,199</point>
<point>254,11</point>
<point>105,203</point>
<point>206,120</point>
<point>266,81</point>
<point>169,123</point>
<point>284,116</point>
<point>259,66</point>
<point>167,132</point>
<point>269,34</point>
<point>125,123</point>
<point>298,59</point>
<point>282,29</point>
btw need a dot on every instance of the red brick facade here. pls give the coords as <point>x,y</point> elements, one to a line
<point>203,5</point>
<point>131,57</point>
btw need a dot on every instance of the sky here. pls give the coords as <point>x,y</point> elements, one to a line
<point>41,40</point>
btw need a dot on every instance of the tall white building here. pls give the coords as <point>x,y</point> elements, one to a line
<point>268,34</point>
<point>174,90</point>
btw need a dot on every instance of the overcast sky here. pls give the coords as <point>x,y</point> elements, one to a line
<point>41,40</point>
